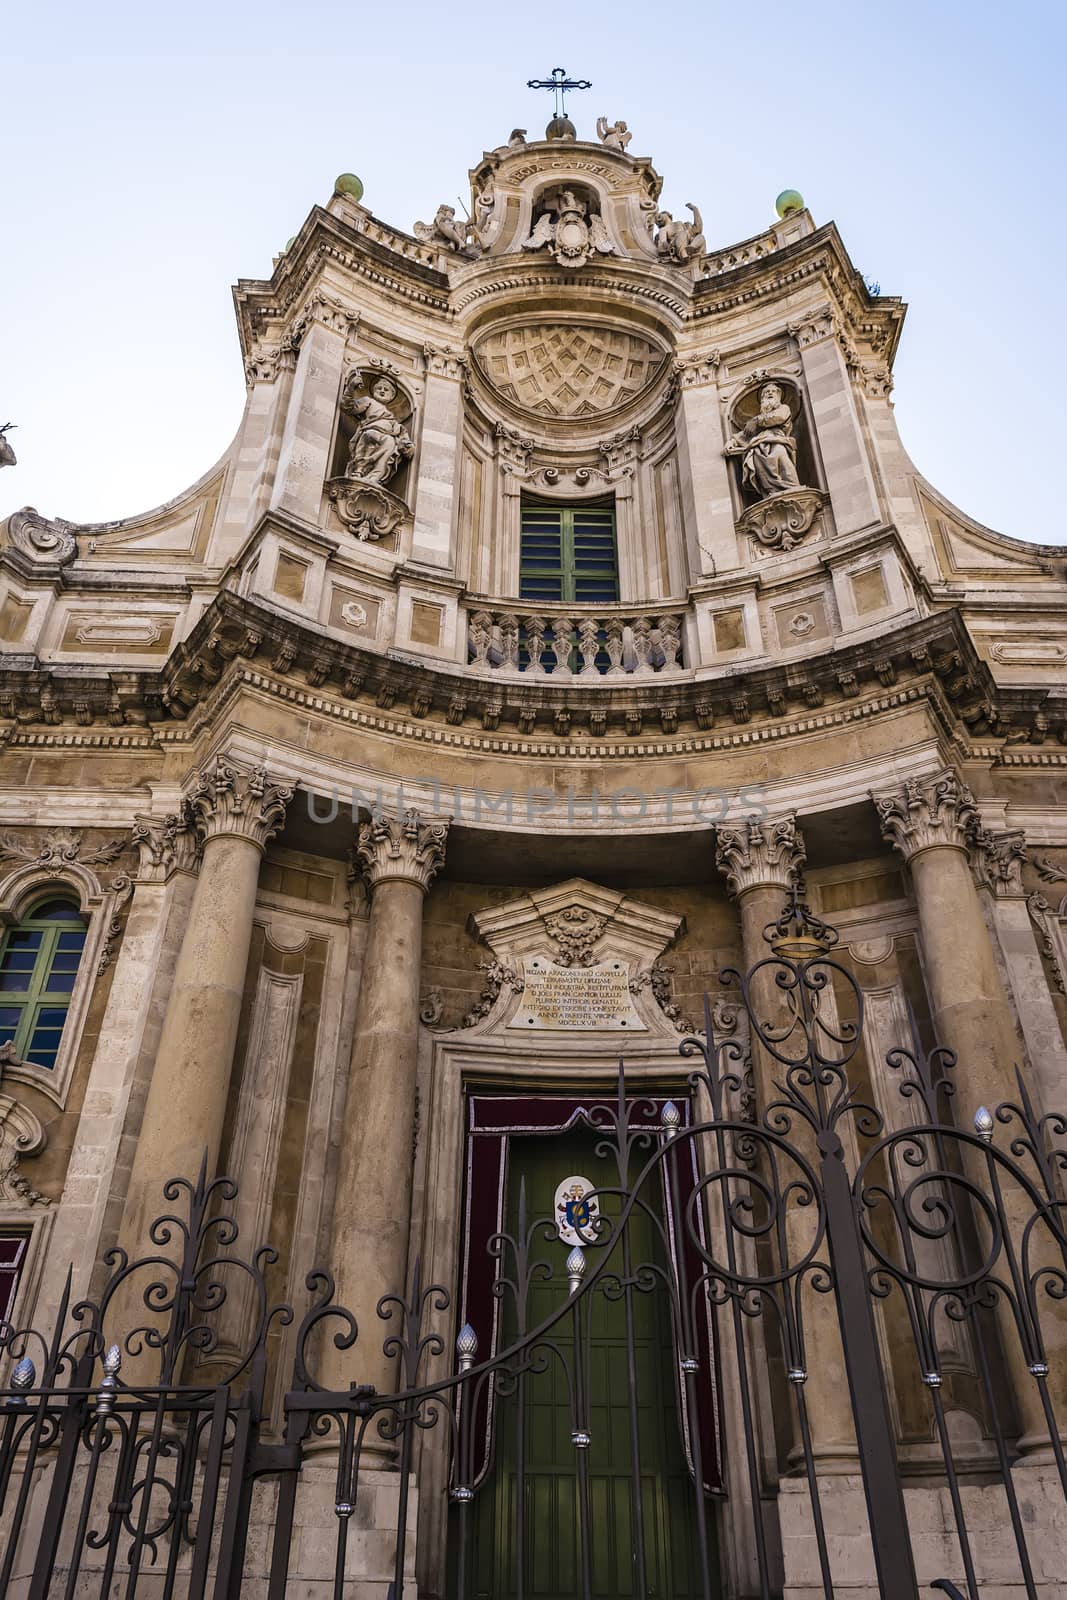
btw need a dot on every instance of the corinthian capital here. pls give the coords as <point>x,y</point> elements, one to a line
<point>404,849</point>
<point>928,814</point>
<point>998,862</point>
<point>246,804</point>
<point>170,844</point>
<point>760,854</point>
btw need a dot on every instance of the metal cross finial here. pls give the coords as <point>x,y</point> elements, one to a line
<point>559,83</point>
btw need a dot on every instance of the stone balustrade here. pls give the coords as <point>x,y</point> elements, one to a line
<point>574,644</point>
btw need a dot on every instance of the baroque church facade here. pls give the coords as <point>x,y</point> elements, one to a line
<point>564,597</point>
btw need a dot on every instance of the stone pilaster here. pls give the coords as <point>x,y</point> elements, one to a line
<point>235,814</point>
<point>704,471</point>
<point>842,444</point>
<point>932,823</point>
<point>998,864</point>
<point>761,861</point>
<point>399,858</point>
<point>438,476</point>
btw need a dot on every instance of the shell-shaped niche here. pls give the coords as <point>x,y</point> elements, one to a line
<point>565,368</point>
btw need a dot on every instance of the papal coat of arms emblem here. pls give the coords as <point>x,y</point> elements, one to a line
<point>576,1211</point>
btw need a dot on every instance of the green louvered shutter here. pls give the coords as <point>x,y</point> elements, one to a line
<point>568,553</point>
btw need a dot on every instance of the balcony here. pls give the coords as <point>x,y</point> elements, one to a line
<point>566,642</point>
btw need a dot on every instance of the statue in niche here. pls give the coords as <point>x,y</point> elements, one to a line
<point>562,228</point>
<point>616,135</point>
<point>380,443</point>
<point>680,241</point>
<point>445,230</point>
<point>767,446</point>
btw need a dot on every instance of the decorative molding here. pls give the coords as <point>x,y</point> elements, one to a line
<point>780,521</point>
<point>248,805</point>
<point>498,975</point>
<point>367,510</point>
<point>21,1134</point>
<point>998,862</point>
<point>1047,919</point>
<point>401,850</point>
<point>658,979</point>
<point>574,931</point>
<point>928,814</point>
<point>444,362</point>
<point>760,855</point>
<point>45,541</point>
<point>59,848</point>
<point>431,1008</point>
<point>167,846</point>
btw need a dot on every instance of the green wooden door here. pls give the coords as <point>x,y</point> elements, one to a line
<point>552,1555</point>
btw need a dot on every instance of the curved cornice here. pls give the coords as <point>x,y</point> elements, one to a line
<point>239,640</point>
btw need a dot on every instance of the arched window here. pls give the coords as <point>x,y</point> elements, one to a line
<point>39,961</point>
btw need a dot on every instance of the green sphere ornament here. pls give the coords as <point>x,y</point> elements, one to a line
<point>789,202</point>
<point>350,185</point>
<point>289,243</point>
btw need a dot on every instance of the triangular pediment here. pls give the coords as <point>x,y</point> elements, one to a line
<point>576,923</point>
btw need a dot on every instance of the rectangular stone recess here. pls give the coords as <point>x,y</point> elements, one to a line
<point>589,999</point>
<point>351,609</point>
<point>290,577</point>
<point>426,622</point>
<point>14,615</point>
<point>730,630</point>
<point>869,590</point>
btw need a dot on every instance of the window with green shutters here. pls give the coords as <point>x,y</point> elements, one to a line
<point>39,961</point>
<point>568,553</point>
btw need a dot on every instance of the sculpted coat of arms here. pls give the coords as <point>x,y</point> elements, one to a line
<point>568,230</point>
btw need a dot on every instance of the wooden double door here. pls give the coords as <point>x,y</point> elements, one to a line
<point>538,1422</point>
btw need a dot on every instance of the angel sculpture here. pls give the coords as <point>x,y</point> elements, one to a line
<point>680,241</point>
<point>616,135</point>
<point>562,228</point>
<point>445,230</point>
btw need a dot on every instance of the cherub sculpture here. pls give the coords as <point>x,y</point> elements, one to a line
<point>616,135</point>
<point>444,229</point>
<point>767,446</point>
<point>680,241</point>
<point>380,442</point>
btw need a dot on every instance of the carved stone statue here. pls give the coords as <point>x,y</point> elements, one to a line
<point>445,230</point>
<point>563,229</point>
<point>484,206</point>
<point>680,241</point>
<point>380,443</point>
<point>767,446</point>
<point>616,135</point>
<point>7,455</point>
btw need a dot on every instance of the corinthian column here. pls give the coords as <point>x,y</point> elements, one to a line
<point>932,823</point>
<point>761,861</point>
<point>399,858</point>
<point>236,814</point>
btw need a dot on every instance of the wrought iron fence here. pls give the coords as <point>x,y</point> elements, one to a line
<point>131,1459</point>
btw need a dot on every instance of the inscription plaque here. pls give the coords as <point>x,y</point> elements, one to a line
<point>590,999</point>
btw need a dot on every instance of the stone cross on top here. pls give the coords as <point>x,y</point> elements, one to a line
<point>559,83</point>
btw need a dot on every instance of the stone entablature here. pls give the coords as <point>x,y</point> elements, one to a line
<point>237,637</point>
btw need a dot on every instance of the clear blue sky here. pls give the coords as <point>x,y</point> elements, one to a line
<point>154,155</point>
